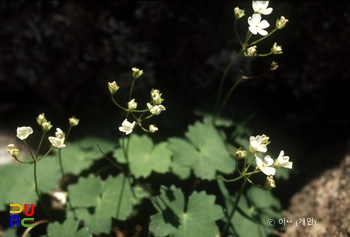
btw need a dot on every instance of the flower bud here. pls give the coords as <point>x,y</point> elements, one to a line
<point>240,153</point>
<point>113,87</point>
<point>265,139</point>
<point>156,97</point>
<point>269,183</point>
<point>251,51</point>
<point>276,49</point>
<point>46,126</point>
<point>73,121</point>
<point>14,152</point>
<point>153,128</point>
<point>40,119</point>
<point>280,23</point>
<point>136,73</point>
<point>238,13</point>
<point>132,104</point>
<point>273,66</point>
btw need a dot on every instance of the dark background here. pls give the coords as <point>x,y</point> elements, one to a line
<point>56,57</point>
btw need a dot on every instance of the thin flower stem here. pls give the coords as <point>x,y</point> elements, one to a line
<point>225,100</point>
<point>39,146</point>
<point>127,110</point>
<point>245,44</point>
<point>228,223</point>
<point>140,110</point>
<point>126,147</point>
<point>115,102</point>
<point>68,132</point>
<point>35,175</point>
<point>236,32</point>
<point>264,55</point>
<point>23,162</point>
<point>230,180</point>
<point>222,82</point>
<point>131,88</point>
<point>37,159</point>
<point>113,162</point>
<point>262,38</point>
<point>149,116</point>
<point>62,176</point>
<point>30,150</point>
<point>37,190</point>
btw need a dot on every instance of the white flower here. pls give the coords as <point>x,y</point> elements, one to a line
<point>153,128</point>
<point>260,7</point>
<point>283,161</point>
<point>57,142</point>
<point>155,109</point>
<point>257,144</point>
<point>61,196</point>
<point>256,25</point>
<point>24,132</point>
<point>127,127</point>
<point>132,104</point>
<point>59,133</point>
<point>156,96</point>
<point>264,164</point>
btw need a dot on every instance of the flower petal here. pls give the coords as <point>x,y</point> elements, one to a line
<point>262,32</point>
<point>269,171</point>
<point>268,160</point>
<point>264,24</point>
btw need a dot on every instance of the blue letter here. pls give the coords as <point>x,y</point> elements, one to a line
<point>16,217</point>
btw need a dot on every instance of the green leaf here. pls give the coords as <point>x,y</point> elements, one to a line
<point>145,157</point>
<point>79,155</point>
<point>86,192</point>
<point>11,232</point>
<point>181,171</point>
<point>68,228</point>
<point>171,219</point>
<point>97,202</point>
<point>254,211</point>
<point>18,181</point>
<point>220,121</point>
<point>204,151</point>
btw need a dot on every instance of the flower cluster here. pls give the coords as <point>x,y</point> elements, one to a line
<point>258,26</point>
<point>154,107</point>
<point>265,164</point>
<point>56,142</point>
